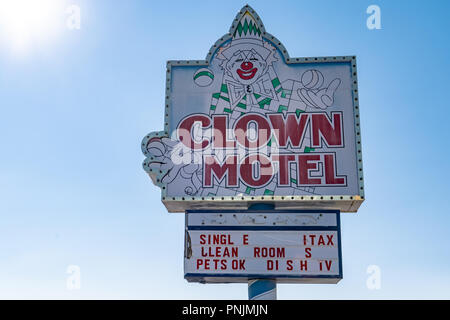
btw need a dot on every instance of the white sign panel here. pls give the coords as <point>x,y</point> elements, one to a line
<point>291,247</point>
<point>251,125</point>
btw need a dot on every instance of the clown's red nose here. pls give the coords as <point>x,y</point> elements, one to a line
<point>246,65</point>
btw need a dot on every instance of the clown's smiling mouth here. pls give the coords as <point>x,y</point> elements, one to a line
<point>247,75</point>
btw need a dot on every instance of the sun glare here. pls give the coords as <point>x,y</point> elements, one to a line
<point>25,23</point>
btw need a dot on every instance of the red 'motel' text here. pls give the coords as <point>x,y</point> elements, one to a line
<point>253,133</point>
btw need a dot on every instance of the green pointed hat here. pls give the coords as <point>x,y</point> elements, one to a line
<point>247,28</point>
<point>246,36</point>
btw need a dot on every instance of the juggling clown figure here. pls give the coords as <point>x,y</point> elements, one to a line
<point>249,83</point>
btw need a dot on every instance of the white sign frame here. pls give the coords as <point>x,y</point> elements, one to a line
<point>182,202</point>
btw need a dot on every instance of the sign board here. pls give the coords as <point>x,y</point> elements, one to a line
<point>289,246</point>
<point>249,124</point>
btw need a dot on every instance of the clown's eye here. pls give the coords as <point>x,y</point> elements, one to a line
<point>239,60</point>
<point>253,59</point>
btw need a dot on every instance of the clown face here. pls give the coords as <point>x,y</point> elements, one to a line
<point>246,66</point>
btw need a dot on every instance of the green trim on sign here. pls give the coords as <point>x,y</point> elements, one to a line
<point>212,107</point>
<point>227,110</point>
<point>276,82</point>
<point>247,27</point>
<point>268,192</point>
<point>224,98</point>
<point>285,92</point>
<point>294,180</point>
<point>204,73</point>
<point>241,105</point>
<point>281,108</point>
<point>224,88</point>
<point>265,101</point>
<point>248,190</point>
<point>308,149</point>
<point>216,95</point>
<point>298,111</point>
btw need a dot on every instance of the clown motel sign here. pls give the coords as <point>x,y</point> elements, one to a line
<point>250,124</point>
<point>289,246</point>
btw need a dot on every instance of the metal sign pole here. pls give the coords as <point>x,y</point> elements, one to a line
<point>262,289</point>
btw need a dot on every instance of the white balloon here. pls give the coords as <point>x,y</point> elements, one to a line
<point>203,77</point>
<point>312,79</point>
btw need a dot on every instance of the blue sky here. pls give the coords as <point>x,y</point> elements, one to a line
<point>75,108</point>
